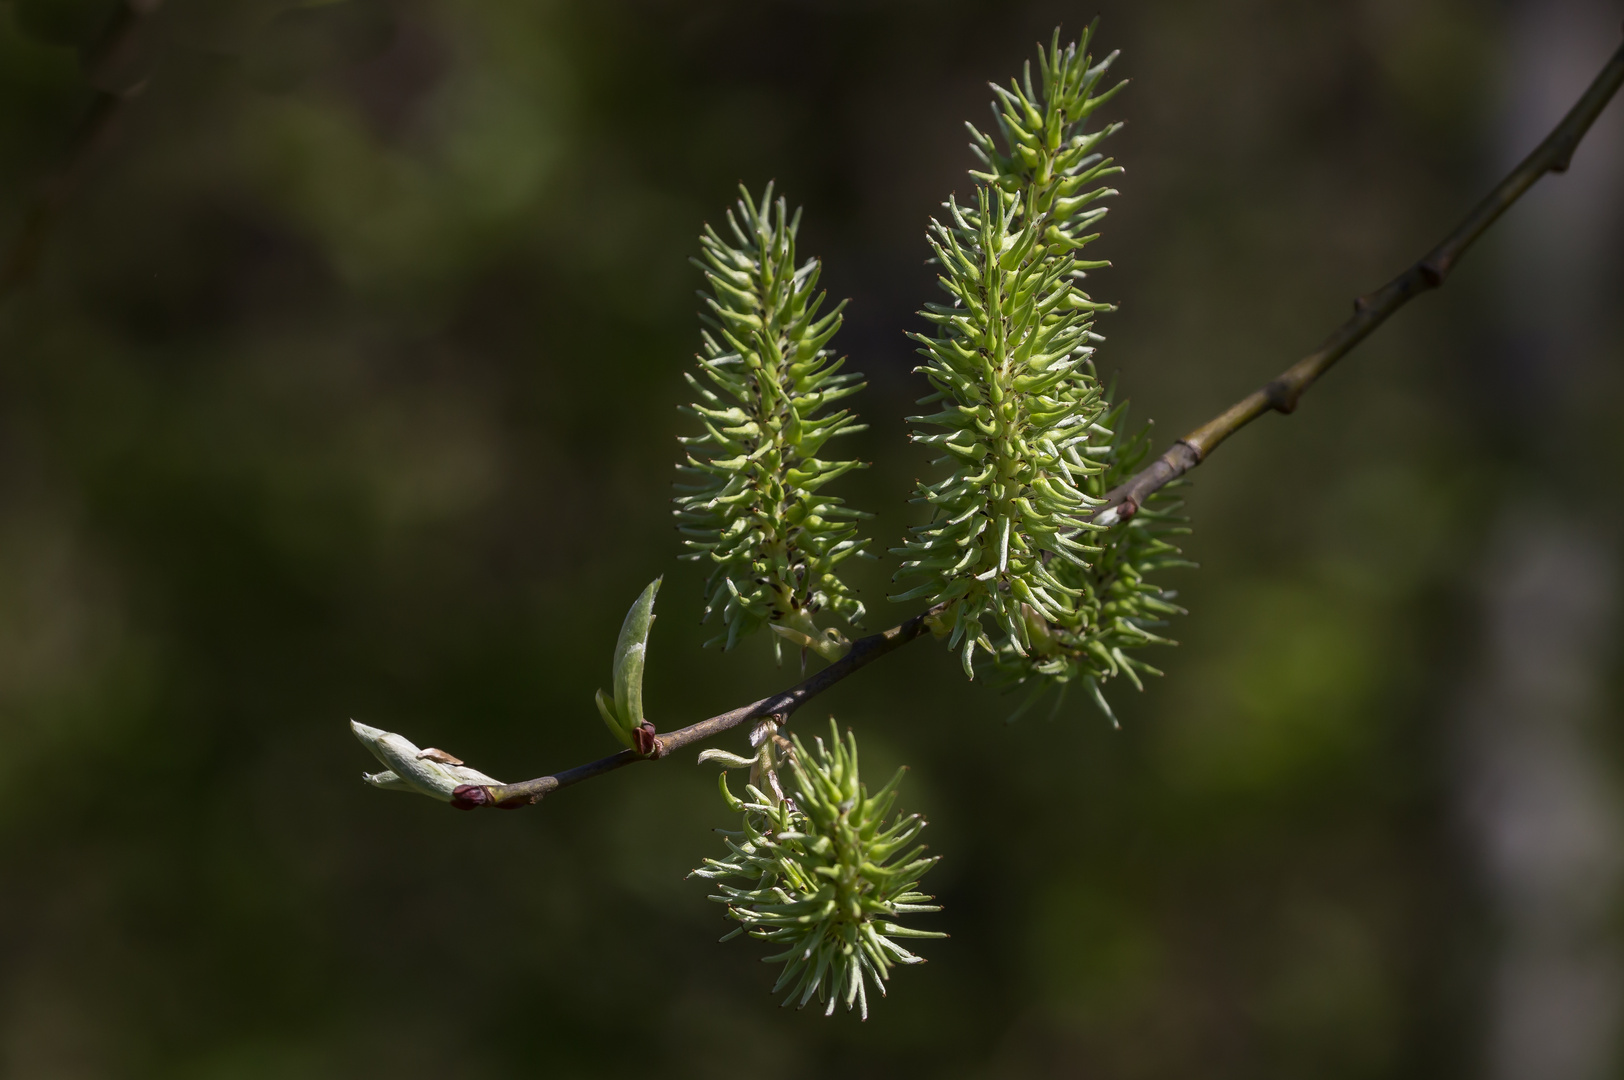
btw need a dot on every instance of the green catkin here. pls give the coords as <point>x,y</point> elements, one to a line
<point>1118,608</point>
<point>750,499</point>
<point>824,876</point>
<point>1032,583</point>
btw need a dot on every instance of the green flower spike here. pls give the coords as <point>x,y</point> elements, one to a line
<point>1031,579</point>
<point>1119,607</point>
<point>750,502</point>
<point>821,873</point>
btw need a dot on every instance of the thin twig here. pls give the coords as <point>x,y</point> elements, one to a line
<point>19,258</point>
<point>1280,395</point>
<point>1371,310</point>
<point>864,651</point>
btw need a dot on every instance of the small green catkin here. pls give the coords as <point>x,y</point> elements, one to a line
<point>1031,580</point>
<point>750,499</point>
<point>1118,607</point>
<point>825,876</point>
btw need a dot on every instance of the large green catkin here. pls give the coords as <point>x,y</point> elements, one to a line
<point>750,499</point>
<point>1031,436</point>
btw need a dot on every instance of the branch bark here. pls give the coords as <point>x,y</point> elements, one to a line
<point>1279,395</point>
<point>864,651</point>
<point>1282,393</point>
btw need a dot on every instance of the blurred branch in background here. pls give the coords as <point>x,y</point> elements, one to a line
<point>1533,724</point>
<point>109,64</point>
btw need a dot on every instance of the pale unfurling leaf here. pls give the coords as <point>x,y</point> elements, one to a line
<point>727,760</point>
<point>428,772</point>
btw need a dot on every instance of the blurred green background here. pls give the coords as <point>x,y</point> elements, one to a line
<point>345,387</point>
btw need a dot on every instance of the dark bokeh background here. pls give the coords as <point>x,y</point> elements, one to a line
<point>346,387</point>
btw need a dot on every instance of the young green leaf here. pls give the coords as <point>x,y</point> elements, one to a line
<point>623,713</point>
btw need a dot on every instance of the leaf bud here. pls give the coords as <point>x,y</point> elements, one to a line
<point>428,772</point>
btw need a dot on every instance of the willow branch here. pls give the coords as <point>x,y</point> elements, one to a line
<point>781,705</point>
<point>1279,395</point>
<point>1371,310</point>
<point>112,51</point>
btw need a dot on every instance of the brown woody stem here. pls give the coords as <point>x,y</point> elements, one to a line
<point>1371,310</point>
<point>864,651</point>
